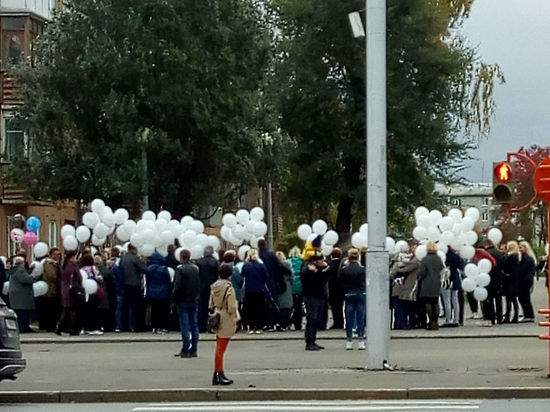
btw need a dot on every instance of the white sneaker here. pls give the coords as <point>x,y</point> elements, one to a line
<point>361,345</point>
<point>349,345</point>
<point>95,332</point>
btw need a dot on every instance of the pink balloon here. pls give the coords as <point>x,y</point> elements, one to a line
<point>30,238</point>
<point>17,235</point>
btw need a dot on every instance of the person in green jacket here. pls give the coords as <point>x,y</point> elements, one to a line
<point>297,301</point>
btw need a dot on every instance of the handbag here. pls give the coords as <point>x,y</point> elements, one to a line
<point>214,318</point>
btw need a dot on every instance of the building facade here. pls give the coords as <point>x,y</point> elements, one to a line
<point>21,23</point>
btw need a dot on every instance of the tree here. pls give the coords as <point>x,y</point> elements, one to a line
<point>178,81</point>
<point>439,102</point>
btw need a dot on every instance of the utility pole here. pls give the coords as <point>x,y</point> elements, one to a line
<point>377,270</point>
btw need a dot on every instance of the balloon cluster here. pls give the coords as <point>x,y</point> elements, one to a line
<point>360,240</point>
<point>149,234</point>
<point>244,228</point>
<point>30,236</point>
<point>454,230</point>
<point>477,278</point>
<point>319,228</point>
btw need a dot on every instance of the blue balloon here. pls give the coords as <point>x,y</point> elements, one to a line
<point>33,224</point>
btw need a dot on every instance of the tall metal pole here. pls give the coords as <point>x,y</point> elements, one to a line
<point>269,217</point>
<point>378,312</point>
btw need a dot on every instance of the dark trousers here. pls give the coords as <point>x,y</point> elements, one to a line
<point>90,314</point>
<point>511,301</point>
<point>47,309</point>
<point>160,313</point>
<point>492,308</point>
<point>130,306</point>
<point>472,302</point>
<point>315,308</point>
<point>70,320</point>
<point>402,313</point>
<point>336,301</point>
<point>23,320</point>
<point>297,311</point>
<point>254,307</point>
<point>525,302</point>
<point>431,309</point>
<point>284,318</point>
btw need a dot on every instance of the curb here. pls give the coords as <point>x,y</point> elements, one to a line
<point>213,395</point>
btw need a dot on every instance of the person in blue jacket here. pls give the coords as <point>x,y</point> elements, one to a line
<point>158,288</point>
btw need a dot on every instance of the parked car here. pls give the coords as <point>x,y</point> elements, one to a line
<point>11,358</point>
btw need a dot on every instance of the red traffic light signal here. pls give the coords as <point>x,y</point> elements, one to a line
<point>503,172</point>
<point>502,182</point>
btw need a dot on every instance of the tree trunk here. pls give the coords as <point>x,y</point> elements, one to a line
<point>343,220</point>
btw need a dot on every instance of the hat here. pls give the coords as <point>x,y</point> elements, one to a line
<point>18,260</point>
<point>316,256</point>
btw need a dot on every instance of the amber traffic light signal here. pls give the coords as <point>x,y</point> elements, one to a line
<point>502,182</point>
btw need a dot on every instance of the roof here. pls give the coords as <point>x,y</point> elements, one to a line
<point>457,189</point>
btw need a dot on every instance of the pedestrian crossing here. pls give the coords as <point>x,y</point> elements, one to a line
<point>306,406</point>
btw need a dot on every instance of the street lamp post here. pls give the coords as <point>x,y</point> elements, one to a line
<point>377,270</point>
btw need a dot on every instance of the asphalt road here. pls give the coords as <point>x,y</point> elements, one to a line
<point>532,405</point>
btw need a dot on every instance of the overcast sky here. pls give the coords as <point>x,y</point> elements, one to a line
<point>516,35</point>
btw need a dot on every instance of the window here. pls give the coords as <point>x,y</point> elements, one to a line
<point>52,233</point>
<point>486,201</point>
<point>456,202</point>
<point>13,223</point>
<point>485,217</point>
<point>14,141</point>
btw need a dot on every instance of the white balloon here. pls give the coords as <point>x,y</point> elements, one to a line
<point>243,250</point>
<point>186,221</point>
<point>167,237</point>
<point>326,249</point>
<point>468,285</point>
<point>420,233</point>
<point>161,225</point>
<point>90,219</point>
<point>97,206</point>
<point>137,240</point>
<point>171,273</point>
<point>467,252</point>
<point>472,213</point>
<point>442,256</point>
<point>229,220</point>
<point>434,234</point>
<point>39,288</point>
<point>37,268</point>
<point>130,226</point>
<point>196,252</point>
<point>149,215</point>
<point>242,216</point>
<point>122,234</point>
<point>456,214</point>
<point>442,247</point>
<point>402,246</point>
<point>330,238</point>
<point>197,226</point>
<point>83,234</point>
<point>483,279</point>
<point>121,216</point>
<point>436,217</point>
<point>421,211</point>
<point>470,237</point>
<point>466,224</point>
<point>495,235</point>
<point>484,266</point>
<point>101,230</point>
<point>98,241</point>
<point>177,230</point>
<point>320,227</point>
<point>147,250</point>
<point>390,244</point>
<point>480,293</point>
<point>364,230</point>
<point>312,237</point>
<point>257,214</point>
<point>108,218</point>
<point>421,252</point>
<point>457,229</point>
<point>6,288</point>
<point>214,242</point>
<point>260,229</point>
<point>471,270</point>
<point>40,250</point>
<point>358,240</point>
<point>254,241</point>
<point>189,237</point>
<point>447,223</point>
<point>304,231</point>
<point>239,231</point>
<point>225,233</point>
<point>70,243</point>
<point>89,285</point>
<point>202,240</point>
<point>164,215</point>
<point>447,237</point>
<point>235,241</point>
<point>424,221</point>
<point>67,230</point>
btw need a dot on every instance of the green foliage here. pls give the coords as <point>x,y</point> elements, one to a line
<point>439,102</point>
<point>181,80</point>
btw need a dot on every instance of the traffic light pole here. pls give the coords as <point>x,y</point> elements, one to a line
<point>377,270</point>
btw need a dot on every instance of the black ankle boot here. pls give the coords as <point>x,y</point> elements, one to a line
<point>216,378</point>
<point>224,379</point>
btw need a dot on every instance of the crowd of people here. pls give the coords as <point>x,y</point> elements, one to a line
<point>266,291</point>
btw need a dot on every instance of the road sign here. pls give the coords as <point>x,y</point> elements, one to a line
<point>541,180</point>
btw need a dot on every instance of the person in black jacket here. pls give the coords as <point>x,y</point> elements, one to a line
<point>511,280</point>
<point>527,269</point>
<point>352,282</point>
<point>131,270</point>
<point>492,307</point>
<point>185,297</point>
<point>314,278</point>
<point>208,274</point>
<point>335,293</point>
<point>275,281</point>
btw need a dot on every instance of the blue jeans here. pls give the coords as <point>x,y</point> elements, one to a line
<point>187,314</point>
<point>355,314</point>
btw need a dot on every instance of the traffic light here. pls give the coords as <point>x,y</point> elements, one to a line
<point>502,182</point>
